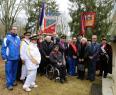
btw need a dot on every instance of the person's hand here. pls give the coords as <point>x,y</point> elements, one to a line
<point>74,57</point>
<point>90,57</point>
<point>23,61</point>
<point>5,61</point>
<point>47,56</point>
<point>82,59</point>
<point>79,60</point>
<point>59,63</point>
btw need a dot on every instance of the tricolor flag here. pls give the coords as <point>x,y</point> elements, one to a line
<point>47,23</point>
<point>50,25</point>
<point>42,15</point>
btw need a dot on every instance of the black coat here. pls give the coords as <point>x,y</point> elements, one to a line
<point>106,60</point>
<point>82,54</point>
<point>46,48</point>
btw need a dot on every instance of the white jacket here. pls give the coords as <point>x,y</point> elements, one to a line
<point>23,47</point>
<point>34,57</point>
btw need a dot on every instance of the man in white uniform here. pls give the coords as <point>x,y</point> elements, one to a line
<point>23,47</point>
<point>32,63</point>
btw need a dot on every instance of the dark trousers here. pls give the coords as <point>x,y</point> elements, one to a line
<point>104,67</point>
<point>81,74</point>
<point>43,65</point>
<point>92,70</point>
<point>19,70</point>
<point>62,70</point>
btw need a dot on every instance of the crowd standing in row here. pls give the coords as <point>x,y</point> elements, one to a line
<point>24,58</point>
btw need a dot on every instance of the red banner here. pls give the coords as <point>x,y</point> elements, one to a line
<point>87,20</point>
<point>49,26</point>
<point>90,19</point>
<point>50,30</point>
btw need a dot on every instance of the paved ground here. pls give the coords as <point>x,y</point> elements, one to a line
<point>48,87</point>
<point>107,86</point>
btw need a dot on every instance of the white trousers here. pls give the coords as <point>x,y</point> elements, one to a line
<point>23,72</point>
<point>31,77</point>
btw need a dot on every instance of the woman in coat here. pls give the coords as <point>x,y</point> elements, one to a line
<point>72,56</point>
<point>105,58</point>
<point>82,56</point>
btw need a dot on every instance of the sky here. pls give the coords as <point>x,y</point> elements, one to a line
<point>63,5</point>
<point>63,8</point>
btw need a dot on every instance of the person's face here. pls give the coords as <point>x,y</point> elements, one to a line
<point>63,39</point>
<point>40,39</point>
<point>27,36</point>
<point>34,41</point>
<point>104,41</point>
<point>74,40</point>
<point>83,42</point>
<point>56,48</point>
<point>94,38</point>
<point>48,39</point>
<point>14,30</point>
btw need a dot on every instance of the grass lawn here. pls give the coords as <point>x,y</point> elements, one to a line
<point>49,87</point>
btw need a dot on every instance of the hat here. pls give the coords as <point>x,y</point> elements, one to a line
<point>34,37</point>
<point>27,33</point>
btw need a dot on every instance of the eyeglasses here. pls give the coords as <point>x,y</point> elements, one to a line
<point>14,29</point>
<point>94,38</point>
<point>27,35</point>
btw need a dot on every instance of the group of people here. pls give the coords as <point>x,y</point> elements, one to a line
<point>25,57</point>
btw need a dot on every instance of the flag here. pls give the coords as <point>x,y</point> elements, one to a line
<point>42,15</point>
<point>87,20</point>
<point>90,19</point>
<point>82,24</point>
<point>49,25</point>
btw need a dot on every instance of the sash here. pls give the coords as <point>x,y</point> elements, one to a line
<point>32,58</point>
<point>74,47</point>
<point>104,51</point>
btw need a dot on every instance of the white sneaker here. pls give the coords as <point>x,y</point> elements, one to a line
<point>34,86</point>
<point>27,89</point>
<point>57,78</point>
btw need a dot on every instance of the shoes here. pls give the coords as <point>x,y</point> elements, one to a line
<point>27,89</point>
<point>34,86</point>
<point>61,81</point>
<point>78,77</point>
<point>100,74</point>
<point>22,81</point>
<point>14,84</point>
<point>57,78</point>
<point>91,80</point>
<point>105,76</point>
<point>10,88</point>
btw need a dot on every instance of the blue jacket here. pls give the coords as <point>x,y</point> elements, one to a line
<point>93,50</point>
<point>11,47</point>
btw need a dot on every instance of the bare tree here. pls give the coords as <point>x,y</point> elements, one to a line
<point>10,9</point>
